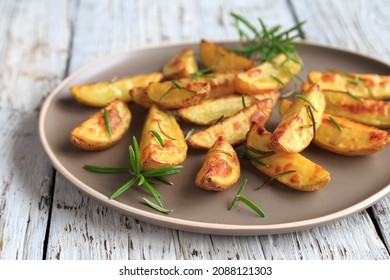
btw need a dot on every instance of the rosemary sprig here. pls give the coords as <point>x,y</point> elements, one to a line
<point>307,101</point>
<point>107,120</point>
<point>265,44</point>
<point>143,178</point>
<point>246,201</point>
<point>335,123</point>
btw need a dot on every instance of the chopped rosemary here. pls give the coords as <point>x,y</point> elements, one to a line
<point>189,133</point>
<point>353,96</point>
<point>246,201</point>
<point>243,101</point>
<point>275,177</point>
<point>335,123</point>
<point>313,121</point>
<point>176,85</point>
<point>307,101</point>
<point>263,45</point>
<point>107,120</point>
<point>278,80</point>
<point>144,178</point>
<point>158,137</point>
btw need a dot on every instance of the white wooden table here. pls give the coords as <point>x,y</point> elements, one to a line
<point>43,216</point>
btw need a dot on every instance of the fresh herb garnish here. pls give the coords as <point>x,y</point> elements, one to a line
<point>313,121</point>
<point>189,133</point>
<point>144,178</point>
<point>204,73</point>
<point>275,177</point>
<point>243,101</point>
<point>353,96</point>
<point>163,132</point>
<point>278,80</point>
<point>307,101</point>
<point>158,137</point>
<point>107,120</point>
<point>335,123</point>
<point>255,159</point>
<point>267,43</point>
<point>245,200</point>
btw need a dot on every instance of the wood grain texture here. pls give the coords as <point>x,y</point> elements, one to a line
<point>33,50</point>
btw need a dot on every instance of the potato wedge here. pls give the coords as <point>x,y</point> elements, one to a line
<point>181,65</point>
<point>139,95</point>
<point>93,135</point>
<point>209,111</point>
<point>296,128</point>
<point>220,169</point>
<point>354,139</point>
<point>366,110</point>
<point>101,94</point>
<point>291,169</point>
<point>221,83</point>
<point>361,85</point>
<point>218,58</point>
<point>267,76</point>
<point>175,95</point>
<point>234,128</point>
<point>153,154</point>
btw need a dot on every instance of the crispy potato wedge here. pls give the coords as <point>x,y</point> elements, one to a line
<point>296,128</point>
<point>354,139</point>
<point>209,111</point>
<point>153,154</point>
<point>101,94</point>
<point>139,96</point>
<point>361,85</point>
<point>221,83</point>
<point>175,95</point>
<point>234,128</point>
<point>366,110</point>
<point>218,58</point>
<point>220,169</point>
<point>291,169</point>
<point>267,76</point>
<point>93,135</point>
<point>181,65</point>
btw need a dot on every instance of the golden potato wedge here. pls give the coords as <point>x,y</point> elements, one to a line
<point>267,76</point>
<point>291,169</point>
<point>220,169</point>
<point>296,128</point>
<point>153,154</point>
<point>218,58</point>
<point>181,65</point>
<point>139,96</point>
<point>209,111</point>
<point>175,95</point>
<point>234,128</point>
<point>361,85</point>
<point>221,83</point>
<point>93,135</point>
<point>364,110</point>
<point>354,139</point>
<point>101,94</point>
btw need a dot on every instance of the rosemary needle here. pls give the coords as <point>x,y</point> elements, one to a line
<point>307,101</point>
<point>107,120</point>
<point>158,137</point>
<point>335,123</point>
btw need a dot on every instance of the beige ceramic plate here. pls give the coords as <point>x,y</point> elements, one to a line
<point>356,182</point>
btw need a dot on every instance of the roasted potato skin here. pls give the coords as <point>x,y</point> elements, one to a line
<point>367,111</point>
<point>267,76</point>
<point>354,139</point>
<point>182,65</point>
<point>220,169</point>
<point>291,135</point>
<point>308,176</point>
<point>101,94</point>
<point>139,96</point>
<point>234,128</point>
<point>92,134</point>
<point>210,111</point>
<point>361,85</point>
<point>153,154</point>
<point>175,95</point>
<point>218,58</point>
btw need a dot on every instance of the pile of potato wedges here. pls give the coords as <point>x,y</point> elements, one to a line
<point>232,98</point>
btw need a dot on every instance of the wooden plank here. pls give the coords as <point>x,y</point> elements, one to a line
<point>358,26</point>
<point>33,42</point>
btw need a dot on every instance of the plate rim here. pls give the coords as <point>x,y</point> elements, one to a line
<point>184,224</point>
